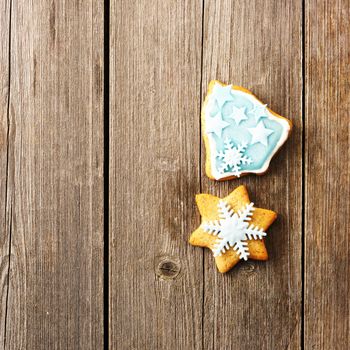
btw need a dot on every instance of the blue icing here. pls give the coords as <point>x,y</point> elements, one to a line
<point>239,134</point>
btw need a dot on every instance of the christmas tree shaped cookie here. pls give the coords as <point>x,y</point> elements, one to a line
<point>241,134</point>
<point>232,228</point>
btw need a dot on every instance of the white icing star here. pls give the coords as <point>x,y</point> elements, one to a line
<point>238,114</point>
<point>216,124</point>
<point>260,134</point>
<point>222,94</point>
<point>260,111</point>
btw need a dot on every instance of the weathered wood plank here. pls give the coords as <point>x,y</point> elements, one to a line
<point>4,99</point>
<point>55,194</point>
<point>327,144</point>
<point>257,44</point>
<point>155,73</point>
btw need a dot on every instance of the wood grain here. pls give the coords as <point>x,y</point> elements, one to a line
<point>327,171</point>
<point>4,99</point>
<point>156,280</point>
<point>55,183</point>
<point>257,44</point>
<point>163,293</point>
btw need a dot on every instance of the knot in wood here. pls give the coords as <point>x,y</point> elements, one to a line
<point>168,268</point>
<point>248,268</point>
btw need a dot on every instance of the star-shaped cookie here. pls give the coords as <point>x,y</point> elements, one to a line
<point>232,228</point>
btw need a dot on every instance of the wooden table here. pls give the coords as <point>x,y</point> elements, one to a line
<point>101,157</point>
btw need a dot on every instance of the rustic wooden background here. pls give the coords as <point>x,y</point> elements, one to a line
<point>101,157</point>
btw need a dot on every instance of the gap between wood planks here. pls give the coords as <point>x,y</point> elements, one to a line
<point>200,161</point>
<point>106,176</point>
<point>303,219</point>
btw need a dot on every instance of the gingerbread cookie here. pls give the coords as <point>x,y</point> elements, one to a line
<point>232,228</point>
<point>241,134</point>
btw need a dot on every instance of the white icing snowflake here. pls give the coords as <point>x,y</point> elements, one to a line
<point>233,230</point>
<point>233,157</point>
